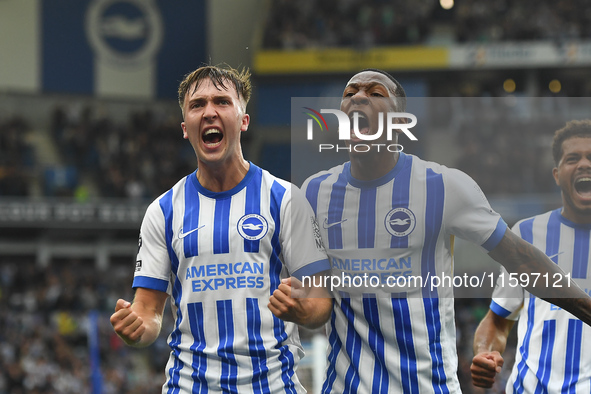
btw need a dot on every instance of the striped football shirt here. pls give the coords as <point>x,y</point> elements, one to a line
<point>220,256</point>
<point>550,356</point>
<point>396,340</point>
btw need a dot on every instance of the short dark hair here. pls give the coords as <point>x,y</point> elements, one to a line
<point>398,89</point>
<point>573,128</point>
<point>219,76</point>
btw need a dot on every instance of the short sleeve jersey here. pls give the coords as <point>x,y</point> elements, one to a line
<point>550,355</point>
<point>220,256</point>
<point>400,225</point>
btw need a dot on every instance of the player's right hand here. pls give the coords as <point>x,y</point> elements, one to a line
<point>126,323</point>
<point>485,366</point>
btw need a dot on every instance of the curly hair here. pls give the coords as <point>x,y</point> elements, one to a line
<point>573,128</point>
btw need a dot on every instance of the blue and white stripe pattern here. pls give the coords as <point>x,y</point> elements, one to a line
<point>220,256</point>
<point>400,341</point>
<point>550,356</point>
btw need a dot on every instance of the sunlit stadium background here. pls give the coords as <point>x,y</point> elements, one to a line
<point>89,135</point>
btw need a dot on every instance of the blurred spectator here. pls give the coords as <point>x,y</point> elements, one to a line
<point>135,160</point>
<point>367,23</point>
<point>17,157</point>
<point>507,155</point>
<point>43,331</point>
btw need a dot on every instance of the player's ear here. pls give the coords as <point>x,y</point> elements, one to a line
<point>555,174</point>
<point>185,135</point>
<point>245,122</point>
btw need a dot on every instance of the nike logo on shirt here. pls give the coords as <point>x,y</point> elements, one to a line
<point>183,235</point>
<point>326,225</point>
<point>554,255</point>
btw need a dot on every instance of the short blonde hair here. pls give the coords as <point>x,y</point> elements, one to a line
<point>219,76</point>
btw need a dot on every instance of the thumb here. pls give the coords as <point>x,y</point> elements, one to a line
<point>286,281</point>
<point>498,360</point>
<point>122,304</point>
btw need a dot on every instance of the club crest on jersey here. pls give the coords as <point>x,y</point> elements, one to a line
<point>400,222</point>
<point>252,227</point>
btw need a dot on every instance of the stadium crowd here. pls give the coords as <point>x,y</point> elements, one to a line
<point>120,158</point>
<point>44,311</point>
<point>44,321</point>
<point>507,158</point>
<point>17,157</point>
<point>368,23</point>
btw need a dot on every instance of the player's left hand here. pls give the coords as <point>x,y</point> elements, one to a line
<point>287,301</point>
<point>485,367</point>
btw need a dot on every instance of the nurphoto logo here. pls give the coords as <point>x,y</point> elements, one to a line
<point>346,132</point>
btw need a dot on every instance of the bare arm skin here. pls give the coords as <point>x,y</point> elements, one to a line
<point>309,307</point>
<point>139,324</point>
<point>490,340</point>
<point>519,256</point>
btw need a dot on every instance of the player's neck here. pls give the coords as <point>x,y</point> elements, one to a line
<point>372,166</point>
<point>575,216</point>
<point>220,177</point>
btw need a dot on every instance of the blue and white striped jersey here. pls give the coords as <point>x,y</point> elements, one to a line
<point>220,256</point>
<point>387,340</point>
<point>550,356</point>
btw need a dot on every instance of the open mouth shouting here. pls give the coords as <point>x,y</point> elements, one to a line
<point>212,137</point>
<point>361,121</point>
<point>583,187</point>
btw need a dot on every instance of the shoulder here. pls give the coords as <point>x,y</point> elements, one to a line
<point>420,165</point>
<point>322,175</point>
<point>270,178</point>
<point>452,177</point>
<point>165,198</point>
<point>280,192</point>
<point>541,219</point>
<point>274,183</point>
<point>288,197</point>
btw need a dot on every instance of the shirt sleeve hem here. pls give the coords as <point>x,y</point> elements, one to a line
<point>312,269</point>
<point>150,283</point>
<point>496,236</point>
<point>499,310</point>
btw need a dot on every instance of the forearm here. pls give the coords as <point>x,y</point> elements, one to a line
<point>580,307</point>
<point>148,305</point>
<point>491,334</point>
<point>488,342</point>
<point>318,304</point>
<point>318,312</point>
<point>521,257</point>
<point>152,322</point>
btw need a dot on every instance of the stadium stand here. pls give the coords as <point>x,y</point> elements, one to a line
<point>370,23</point>
<point>44,315</point>
<point>132,153</point>
<point>17,157</point>
<point>136,159</point>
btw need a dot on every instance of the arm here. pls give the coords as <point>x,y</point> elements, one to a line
<point>308,306</point>
<point>520,256</point>
<point>139,324</point>
<point>490,340</point>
